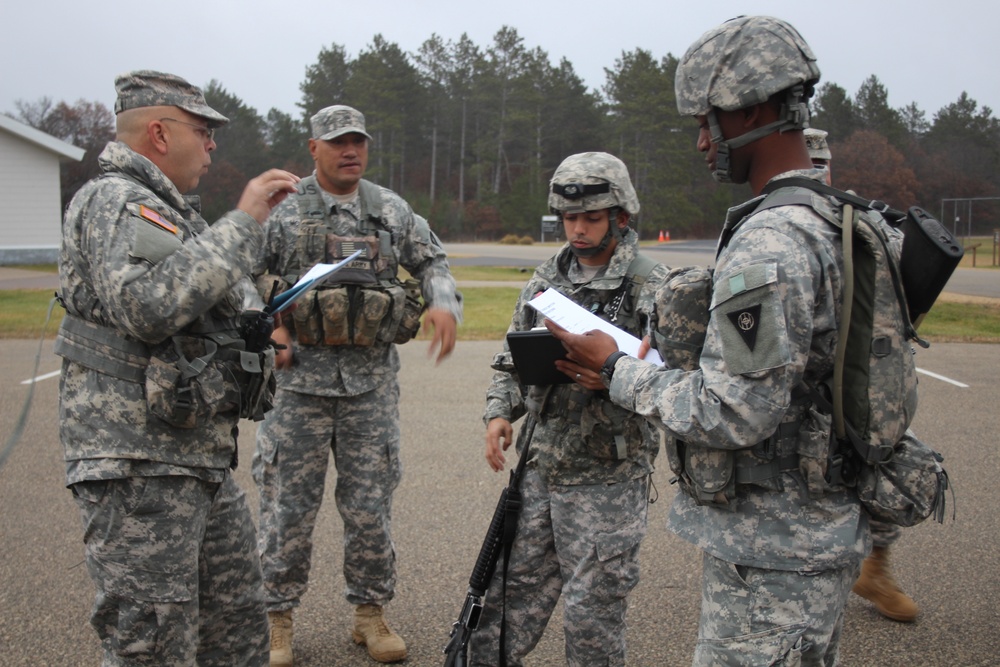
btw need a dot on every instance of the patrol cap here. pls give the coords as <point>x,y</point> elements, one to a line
<point>816,144</point>
<point>146,88</point>
<point>332,122</point>
<point>592,182</point>
<point>741,63</point>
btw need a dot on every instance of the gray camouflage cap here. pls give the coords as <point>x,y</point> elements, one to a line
<point>816,144</point>
<point>592,182</point>
<point>146,88</point>
<point>332,122</point>
<point>740,63</point>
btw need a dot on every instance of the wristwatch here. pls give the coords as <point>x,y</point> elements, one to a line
<point>608,369</point>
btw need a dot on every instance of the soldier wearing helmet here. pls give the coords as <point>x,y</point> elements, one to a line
<point>782,544</point>
<point>586,482</point>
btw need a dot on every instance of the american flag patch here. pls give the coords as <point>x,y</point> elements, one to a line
<point>157,219</point>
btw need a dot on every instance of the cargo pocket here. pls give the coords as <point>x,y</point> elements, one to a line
<point>779,647</point>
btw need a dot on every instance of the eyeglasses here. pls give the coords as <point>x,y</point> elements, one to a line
<point>207,132</point>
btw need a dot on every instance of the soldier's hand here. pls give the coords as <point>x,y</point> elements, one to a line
<point>282,358</point>
<point>265,192</point>
<point>444,326</point>
<point>499,434</point>
<point>588,350</point>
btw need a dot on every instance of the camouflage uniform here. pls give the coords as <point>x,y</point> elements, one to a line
<point>170,542</point>
<point>585,484</point>
<point>779,558</point>
<point>344,399</point>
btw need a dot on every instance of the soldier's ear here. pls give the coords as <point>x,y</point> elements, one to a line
<point>158,135</point>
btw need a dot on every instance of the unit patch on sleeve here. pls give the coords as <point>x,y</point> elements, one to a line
<point>747,322</point>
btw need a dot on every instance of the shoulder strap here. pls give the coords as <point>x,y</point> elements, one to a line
<point>890,214</point>
<point>371,201</point>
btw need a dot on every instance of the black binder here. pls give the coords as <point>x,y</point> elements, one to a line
<point>535,353</point>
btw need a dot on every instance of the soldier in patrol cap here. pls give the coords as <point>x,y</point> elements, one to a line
<point>819,151</point>
<point>586,480</point>
<point>338,388</point>
<point>781,545</point>
<point>149,290</point>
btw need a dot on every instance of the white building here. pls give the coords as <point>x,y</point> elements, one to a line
<point>30,207</point>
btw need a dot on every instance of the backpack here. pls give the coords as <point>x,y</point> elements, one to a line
<point>871,394</point>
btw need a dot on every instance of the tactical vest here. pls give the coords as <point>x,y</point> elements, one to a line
<point>363,303</point>
<point>804,443</point>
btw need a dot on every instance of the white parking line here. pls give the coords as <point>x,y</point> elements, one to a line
<point>943,378</point>
<point>42,377</point>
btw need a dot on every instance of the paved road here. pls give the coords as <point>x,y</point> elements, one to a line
<point>447,497</point>
<point>445,501</point>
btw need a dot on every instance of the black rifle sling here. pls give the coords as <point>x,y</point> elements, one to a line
<point>513,511</point>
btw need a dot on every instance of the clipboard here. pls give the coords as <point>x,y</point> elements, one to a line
<point>313,277</point>
<point>534,353</point>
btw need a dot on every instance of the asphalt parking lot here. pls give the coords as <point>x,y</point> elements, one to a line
<point>441,513</point>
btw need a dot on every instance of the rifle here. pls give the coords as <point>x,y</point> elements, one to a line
<point>500,535</point>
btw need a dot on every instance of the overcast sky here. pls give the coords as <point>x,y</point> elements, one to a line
<point>922,51</point>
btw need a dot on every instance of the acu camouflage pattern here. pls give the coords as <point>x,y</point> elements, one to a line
<point>594,169</point>
<point>121,270</point>
<point>290,467</point>
<point>332,122</point>
<point>152,606</point>
<point>343,398</point>
<point>573,441</point>
<point>740,63</point>
<point>350,370</point>
<point>146,88</point>
<point>596,530</point>
<point>757,617</point>
<point>149,281</point>
<point>786,264</point>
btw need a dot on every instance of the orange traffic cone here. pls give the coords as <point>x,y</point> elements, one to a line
<point>667,237</point>
<point>661,236</point>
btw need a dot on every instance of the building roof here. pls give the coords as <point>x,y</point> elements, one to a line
<point>64,150</point>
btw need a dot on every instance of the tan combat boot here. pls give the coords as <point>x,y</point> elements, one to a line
<point>281,638</point>
<point>877,584</point>
<point>370,629</point>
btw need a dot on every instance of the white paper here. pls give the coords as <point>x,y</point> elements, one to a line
<point>576,319</point>
<point>313,276</point>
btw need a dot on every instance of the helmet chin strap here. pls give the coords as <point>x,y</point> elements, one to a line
<point>794,116</point>
<point>723,166</point>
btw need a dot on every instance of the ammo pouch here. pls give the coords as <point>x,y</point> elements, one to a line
<point>907,487</point>
<point>712,476</point>
<point>705,474</point>
<point>191,379</point>
<point>361,315</point>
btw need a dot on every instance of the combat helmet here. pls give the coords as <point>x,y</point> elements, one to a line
<point>743,62</point>
<point>593,182</point>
